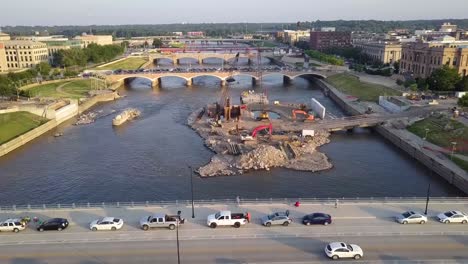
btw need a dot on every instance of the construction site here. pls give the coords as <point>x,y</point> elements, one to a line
<point>260,135</point>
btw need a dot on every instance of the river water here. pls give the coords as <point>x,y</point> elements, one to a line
<point>148,158</point>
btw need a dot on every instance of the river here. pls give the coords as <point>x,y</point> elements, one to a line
<point>148,158</point>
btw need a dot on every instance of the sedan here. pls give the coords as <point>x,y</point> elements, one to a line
<point>58,224</point>
<point>337,250</point>
<point>453,217</point>
<point>317,219</point>
<point>280,218</point>
<point>411,217</point>
<point>106,223</point>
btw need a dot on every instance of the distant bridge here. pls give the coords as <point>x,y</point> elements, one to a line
<point>117,80</point>
<point>199,57</point>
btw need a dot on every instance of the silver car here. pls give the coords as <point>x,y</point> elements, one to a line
<point>411,217</point>
<point>279,218</point>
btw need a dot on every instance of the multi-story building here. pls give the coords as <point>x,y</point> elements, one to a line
<point>3,61</point>
<point>294,36</point>
<point>422,58</point>
<point>4,36</point>
<point>96,39</point>
<point>320,40</point>
<point>384,52</point>
<point>197,34</point>
<point>23,54</point>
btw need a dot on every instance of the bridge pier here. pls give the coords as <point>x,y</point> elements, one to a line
<point>254,81</point>
<point>223,83</point>
<point>155,83</point>
<point>286,79</point>
<point>200,61</point>
<point>189,82</point>
<point>176,62</point>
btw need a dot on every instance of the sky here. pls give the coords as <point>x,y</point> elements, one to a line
<point>117,12</point>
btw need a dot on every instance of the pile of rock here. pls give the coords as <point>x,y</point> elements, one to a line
<point>87,118</point>
<point>263,157</point>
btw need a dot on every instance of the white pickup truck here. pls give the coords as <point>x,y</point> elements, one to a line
<point>226,218</point>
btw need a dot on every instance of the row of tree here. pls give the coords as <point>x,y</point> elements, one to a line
<point>330,59</point>
<point>442,79</point>
<point>224,29</point>
<point>93,53</point>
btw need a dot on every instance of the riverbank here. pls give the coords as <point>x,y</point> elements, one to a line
<point>56,116</point>
<point>405,140</point>
<point>236,156</point>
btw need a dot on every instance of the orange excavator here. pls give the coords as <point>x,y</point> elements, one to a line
<point>307,116</point>
<point>268,127</point>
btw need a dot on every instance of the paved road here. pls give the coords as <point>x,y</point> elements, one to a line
<point>428,249</point>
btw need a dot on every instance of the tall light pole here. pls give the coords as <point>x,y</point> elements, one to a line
<point>177,235</point>
<point>427,196</point>
<point>191,190</point>
<point>453,149</point>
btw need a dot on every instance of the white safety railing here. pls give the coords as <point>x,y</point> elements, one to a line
<point>248,201</point>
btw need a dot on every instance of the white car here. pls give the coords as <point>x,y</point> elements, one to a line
<point>12,225</point>
<point>338,250</point>
<point>411,217</point>
<point>106,223</point>
<point>453,217</point>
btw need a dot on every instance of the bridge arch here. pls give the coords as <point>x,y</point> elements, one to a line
<point>189,58</point>
<point>217,58</point>
<point>165,60</point>
<point>188,81</point>
<point>126,78</point>
<point>311,74</point>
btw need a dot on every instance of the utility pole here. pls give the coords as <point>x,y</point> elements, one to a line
<point>191,190</point>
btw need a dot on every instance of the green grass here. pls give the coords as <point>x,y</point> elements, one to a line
<point>15,124</point>
<point>71,89</point>
<point>177,45</point>
<point>127,64</point>
<point>351,85</point>
<point>46,90</point>
<point>441,137</point>
<point>461,163</point>
<point>77,89</point>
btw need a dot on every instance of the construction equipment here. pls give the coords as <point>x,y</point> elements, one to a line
<point>263,116</point>
<point>307,116</point>
<point>268,127</point>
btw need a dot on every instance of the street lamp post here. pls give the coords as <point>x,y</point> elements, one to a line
<point>191,190</point>
<point>177,235</point>
<point>427,196</point>
<point>427,131</point>
<point>453,150</point>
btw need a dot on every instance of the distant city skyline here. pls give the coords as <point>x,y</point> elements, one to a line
<point>112,12</point>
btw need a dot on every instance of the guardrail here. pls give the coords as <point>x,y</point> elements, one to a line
<point>256,201</point>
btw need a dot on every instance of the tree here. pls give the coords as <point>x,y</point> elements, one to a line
<point>303,45</point>
<point>462,85</point>
<point>443,79</point>
<point>463,101</point>
<point>157,43</point>
<point>44,69</point>
<point>396,66</point>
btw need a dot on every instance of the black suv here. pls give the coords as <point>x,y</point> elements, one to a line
<point>317,219</point>
<point>53,224</point>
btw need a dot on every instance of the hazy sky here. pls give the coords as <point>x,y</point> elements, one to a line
<point>86,12</point>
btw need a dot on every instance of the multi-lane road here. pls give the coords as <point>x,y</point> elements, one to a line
<point>370,225</point>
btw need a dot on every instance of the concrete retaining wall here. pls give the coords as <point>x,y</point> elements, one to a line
<point>26,137</point>
<point>457,178</point>
<point>59,116</point>
<point>383,101</point>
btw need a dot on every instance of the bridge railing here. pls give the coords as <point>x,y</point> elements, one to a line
<point>249,201</point>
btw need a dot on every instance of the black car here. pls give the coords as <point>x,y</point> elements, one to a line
<point>317,219</point>
<point>53,224</point>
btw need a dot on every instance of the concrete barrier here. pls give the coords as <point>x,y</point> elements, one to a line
<point>26,137</point>
<point>318,108</point>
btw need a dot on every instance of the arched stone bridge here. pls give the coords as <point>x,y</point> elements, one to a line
<point>117,80</point>
<point>199,57</point>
